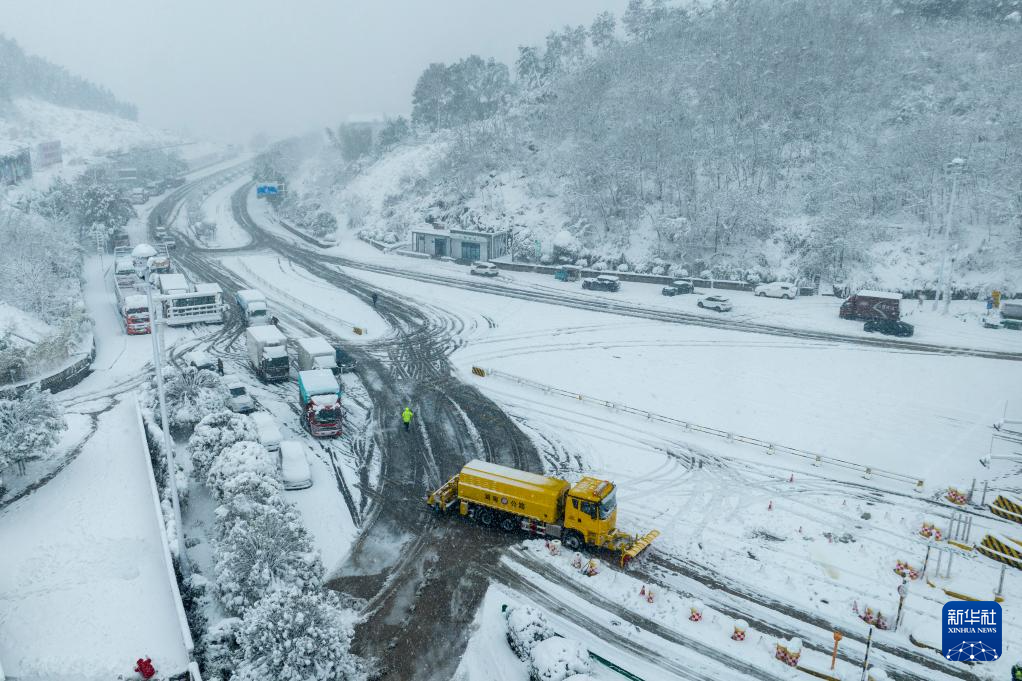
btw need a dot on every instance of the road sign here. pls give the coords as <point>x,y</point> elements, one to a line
<point>269,189</point>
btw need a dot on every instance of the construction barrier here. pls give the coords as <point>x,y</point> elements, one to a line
<point>769,447</point>
<point>1007,509</point>
<point>359,331</point>
<point>995,549</point>
<point>479,371</point>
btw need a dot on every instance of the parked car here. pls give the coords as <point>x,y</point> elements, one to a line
<point>484,269</point>
<point>200,359</point>
<point>604,282</point>
<point>345,362</point>
<point>267,430</point>
<point>889,327</point>
<point>239,399</point>
<point>677,288</point>
<point>718,303</point>
<point>777,289</point>
<point>295,472</point>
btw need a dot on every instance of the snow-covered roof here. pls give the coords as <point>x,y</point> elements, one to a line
<point>879,294</point>
<point>318,382</point>
<point>266,334</point>
<point>495,470</point>
<point>250,295</point>
<point>208,288</point>
<point>316,345</point>
<point>173,282</point>
<point>265,424</point>
<point>136,300</point>
<point>143,251</point>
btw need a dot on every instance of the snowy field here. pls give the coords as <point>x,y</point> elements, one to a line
<point>84,588</point>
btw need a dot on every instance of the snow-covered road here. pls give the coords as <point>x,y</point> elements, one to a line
<point>84,588</point>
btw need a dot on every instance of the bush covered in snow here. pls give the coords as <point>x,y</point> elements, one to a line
<point>557,659</point>
<point>293,635</point>
<point>264,549</point>
<point>214,433</point>
<point>241,457</point>
<point>526,626</point>
<point>30,426</point>
<point>192,394</point>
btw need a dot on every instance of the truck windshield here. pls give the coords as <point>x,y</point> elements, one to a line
<point>256,313</point>
<point>608,504</point>
<point>277,361</point>
<point>328,415</point>
<point>237,392</point>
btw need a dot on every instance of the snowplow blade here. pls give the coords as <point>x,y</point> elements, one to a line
<point>445,497</point>
<point>638,547</point>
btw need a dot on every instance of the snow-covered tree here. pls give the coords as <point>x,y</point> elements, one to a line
<point>558,659</point>
<point>601,32</point>
<point>394,131</point>
<point>192,394</point>
<point>221,651</point>
<point>30,426</point>
<point>324,224</point>
<point>240,457</point>
<point>266,550</point>
<point>214,433</point>
<point>292,635</point>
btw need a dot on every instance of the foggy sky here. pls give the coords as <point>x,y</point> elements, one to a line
<point>224,69</point>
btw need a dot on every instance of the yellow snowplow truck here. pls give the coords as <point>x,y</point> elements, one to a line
<point>581,514</point>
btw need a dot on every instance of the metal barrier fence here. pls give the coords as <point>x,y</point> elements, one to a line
<point>277,292</point>
<point>67,377</point>
<point>769,447</point>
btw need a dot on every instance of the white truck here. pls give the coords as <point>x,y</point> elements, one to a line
<point>253,306</point>
<point>132,303</point>
<point>267,351</point>
<point>315,353</point>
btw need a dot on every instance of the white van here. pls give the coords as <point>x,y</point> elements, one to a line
<point>267,430</point>
<point>294,465</point>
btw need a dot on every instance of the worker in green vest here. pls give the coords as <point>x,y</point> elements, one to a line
<point>406,416</point>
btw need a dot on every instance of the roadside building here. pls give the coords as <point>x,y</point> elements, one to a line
<point>461,244</point>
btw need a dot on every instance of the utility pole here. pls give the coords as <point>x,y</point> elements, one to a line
<point>168,442</point>
<point>865,660</point>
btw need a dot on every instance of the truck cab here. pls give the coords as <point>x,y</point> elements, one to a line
<point>590,509</point>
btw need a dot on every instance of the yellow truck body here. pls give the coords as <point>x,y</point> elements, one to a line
<point>583,513</point>
<point>507,489</point>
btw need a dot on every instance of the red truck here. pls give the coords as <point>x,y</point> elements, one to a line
<point>867,305</point>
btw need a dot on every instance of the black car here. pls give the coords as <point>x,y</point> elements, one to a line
<point>345,362</point>
<point>676,288</point>
<point>604,282</point>
<point>889,327</point>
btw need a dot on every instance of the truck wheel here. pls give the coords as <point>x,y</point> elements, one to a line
<point>486,517</point>
<point>572,541</point>
<point>507,524</point>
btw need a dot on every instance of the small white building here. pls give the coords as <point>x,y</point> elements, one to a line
<point>461,244</point>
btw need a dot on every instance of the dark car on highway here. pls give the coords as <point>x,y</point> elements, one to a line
<point>676,288</point>
<point>889,327</point>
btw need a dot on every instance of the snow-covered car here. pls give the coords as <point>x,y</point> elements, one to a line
<point>889,327</point>
<point>526,626</point>
<point>718,303</point>
<point>200,359</point>
<point>777,289</point>
<point>238,400</point>
<point>295,472</point>
<point>676,288</point>
<point>484,269</point>
<point>267,430</point>
<point>604,282</point>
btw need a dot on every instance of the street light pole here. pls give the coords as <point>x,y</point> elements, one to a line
<point>168,442</point>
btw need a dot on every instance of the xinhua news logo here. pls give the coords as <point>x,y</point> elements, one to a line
<point>972,631</point>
